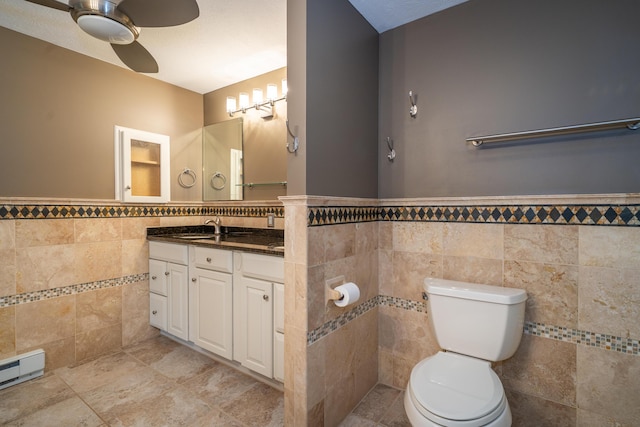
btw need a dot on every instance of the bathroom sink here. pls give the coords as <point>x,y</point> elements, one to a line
<point>193,236</point>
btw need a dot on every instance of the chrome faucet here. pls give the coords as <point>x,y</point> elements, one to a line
<point>217,223</point>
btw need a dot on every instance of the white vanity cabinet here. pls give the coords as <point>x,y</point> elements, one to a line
<point>211,300</point>
<point>254,279</point>
<point>168,287</point>
<point>230,303</point>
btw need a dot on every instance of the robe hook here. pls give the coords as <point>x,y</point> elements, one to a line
<point>392,152</point>
<point>296,140</point>
<point>413,110</point>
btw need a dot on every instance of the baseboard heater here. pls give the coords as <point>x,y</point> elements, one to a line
<point>21,368</point>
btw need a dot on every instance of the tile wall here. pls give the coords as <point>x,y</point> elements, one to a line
<point>578,362</point>
<point>74,276</point>
<point>74,282</point>
<point>332,368</point>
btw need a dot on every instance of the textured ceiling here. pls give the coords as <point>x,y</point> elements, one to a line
<point>384,15</point>
<point>230,41</point>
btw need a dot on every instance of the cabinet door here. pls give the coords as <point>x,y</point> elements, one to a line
<point>278,356</point>
<point>178,302</point>
<point>157,277</point>
<point>254,327</point>
<point>142,165</point>
<point>278,307</point>
<point>211,311</point>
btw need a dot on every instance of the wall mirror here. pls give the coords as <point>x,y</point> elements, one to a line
<point>263,135</point>
<point>222,161</point>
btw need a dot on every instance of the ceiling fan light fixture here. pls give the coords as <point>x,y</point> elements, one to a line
<point>106,29</point>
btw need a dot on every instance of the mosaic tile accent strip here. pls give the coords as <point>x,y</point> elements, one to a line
<point>341,320</point>
<point>617,215</point>
<point>28,297</point>
<point>576,336</point>
<point>405,304</point>
<point>8,211</point>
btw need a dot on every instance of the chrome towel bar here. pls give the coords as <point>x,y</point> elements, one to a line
<point>631,124</point>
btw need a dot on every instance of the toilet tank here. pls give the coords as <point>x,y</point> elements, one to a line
<point>476,320</point>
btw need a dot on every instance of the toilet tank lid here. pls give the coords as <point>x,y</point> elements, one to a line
<point>474,291</point>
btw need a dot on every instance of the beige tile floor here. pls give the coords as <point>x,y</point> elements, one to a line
<point>156,383</point>
<point>382,407</point>
<point>162,383</point>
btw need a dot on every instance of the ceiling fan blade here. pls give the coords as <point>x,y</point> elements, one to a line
<point>53,4</point>
<point>159,13</point>
<point>136,57</point>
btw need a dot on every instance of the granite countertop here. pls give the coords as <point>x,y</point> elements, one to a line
<point>258,240</point>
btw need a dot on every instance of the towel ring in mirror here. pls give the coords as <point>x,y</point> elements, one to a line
<point>221,179</point>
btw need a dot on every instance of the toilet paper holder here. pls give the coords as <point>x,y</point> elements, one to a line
<point>344,294</point>
<point>330,293</point>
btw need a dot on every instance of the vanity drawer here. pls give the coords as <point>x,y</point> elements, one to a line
<point>213,259</point>
<point>169,252</point>
<point>265,267</point>
<point>158,311</point>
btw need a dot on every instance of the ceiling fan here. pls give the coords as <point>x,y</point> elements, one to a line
<point>118,23</point>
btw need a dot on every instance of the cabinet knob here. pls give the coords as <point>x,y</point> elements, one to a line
<point>208,259</point>
<point>193,279</point>
<point>265,297</point>
<point>128,187</point>
<point>166,273</point>
<point>154,312</point>
<point>153,277</point>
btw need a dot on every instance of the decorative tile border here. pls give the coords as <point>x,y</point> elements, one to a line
<point>405,304</point>
<point>70,290</point>
<point>329,215</point>
<point>576,336</point>
<point>250,211</point>
<point>341,320</point>
<point>31,211</point>
<point>616,215</point>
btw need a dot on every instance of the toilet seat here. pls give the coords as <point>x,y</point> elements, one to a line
<point>451,389</point>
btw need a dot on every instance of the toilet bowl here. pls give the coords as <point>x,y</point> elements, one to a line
<point>449,389</point>
<point>474,325</point>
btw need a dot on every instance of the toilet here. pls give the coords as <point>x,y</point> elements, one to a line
<point>474,325</point>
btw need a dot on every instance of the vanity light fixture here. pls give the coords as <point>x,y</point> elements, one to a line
<point>259,103</point>
<point>272,92</point>
<point>257,96</point>
<point>244,101</point>
<point>231,104</point>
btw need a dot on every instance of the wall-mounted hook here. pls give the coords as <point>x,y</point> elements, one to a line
<point>296,140</point>
<point>392,152</point>
<point>413,110</point>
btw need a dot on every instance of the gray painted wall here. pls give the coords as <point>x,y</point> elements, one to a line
<point>341,101</point>
<point>496,66</point>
